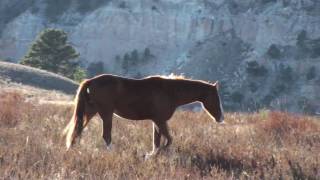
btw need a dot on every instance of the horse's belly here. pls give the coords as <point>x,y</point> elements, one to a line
<point>134,113</point>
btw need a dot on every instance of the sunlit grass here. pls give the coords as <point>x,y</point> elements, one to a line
<point>265,145</point>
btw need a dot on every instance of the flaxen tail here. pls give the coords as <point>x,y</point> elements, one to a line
<point>75,126</point>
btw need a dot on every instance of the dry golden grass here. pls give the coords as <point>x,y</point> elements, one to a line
<point>265,145</point>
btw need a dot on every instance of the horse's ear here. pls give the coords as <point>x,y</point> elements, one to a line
<point>216,84</point>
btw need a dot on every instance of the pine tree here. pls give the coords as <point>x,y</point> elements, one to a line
<point>95,68</point>
<point>147,56</point>
<point>134,57</point>
<point>147,53</point>
<point>51,51</point>
<point>126,62</point>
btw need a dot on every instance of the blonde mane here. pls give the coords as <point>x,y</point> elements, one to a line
<point>170,76</point>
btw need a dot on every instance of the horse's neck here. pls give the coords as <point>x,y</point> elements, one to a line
<point>188,92</point>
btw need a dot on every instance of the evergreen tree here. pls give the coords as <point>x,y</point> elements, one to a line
<point>134,57</point>
<point>311,73</point>
<point>274,52</point>
<point>118,58</point>
<point>95,68</point>
<point>51,51</point>
<point>126,63</point>
<point>147,55</point>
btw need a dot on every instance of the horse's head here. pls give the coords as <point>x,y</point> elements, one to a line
<point>216,109</point>
<point>218,112</point>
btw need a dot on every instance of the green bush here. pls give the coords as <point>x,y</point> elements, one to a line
<point>79,74</point>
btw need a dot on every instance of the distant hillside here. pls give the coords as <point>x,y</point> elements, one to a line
<point>35,77</point>
<point>265,53</point>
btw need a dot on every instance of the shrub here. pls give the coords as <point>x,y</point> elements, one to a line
<point>301,38</point>
<point>254,69</point>
<point>123,5</point>
<point>253,87</point>
<point>237,97</point>
<point>154,8</point>
<point>285,73</point>
<point>284,125</point>
<point>307,106</point>
<point>311,74</point>
<point>274,52</point>
<point>315,48</point>
<point>134,58</point>
<point>12,107</point>
<point>79,74</point>
<point>95,68</point>
<point>267,99</point>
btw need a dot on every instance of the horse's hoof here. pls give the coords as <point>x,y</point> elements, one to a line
<point>108,147</point>
<point>149,155</point>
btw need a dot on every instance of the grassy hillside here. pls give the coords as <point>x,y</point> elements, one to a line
<point>266,145</point>
<point>26,75</point>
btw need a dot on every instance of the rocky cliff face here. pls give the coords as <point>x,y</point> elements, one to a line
<point>265,52</point>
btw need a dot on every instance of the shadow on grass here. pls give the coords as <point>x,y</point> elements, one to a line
<point>205,163</point>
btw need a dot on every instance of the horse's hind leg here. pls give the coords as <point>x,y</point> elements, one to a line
<point>89,113</point>
<point>107,126</point>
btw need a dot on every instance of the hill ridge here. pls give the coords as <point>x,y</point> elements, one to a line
<point>36,77</point>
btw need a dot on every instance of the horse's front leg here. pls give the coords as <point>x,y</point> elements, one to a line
<point>156,140</point>
<point>159,128</point>
<point>107,127</point>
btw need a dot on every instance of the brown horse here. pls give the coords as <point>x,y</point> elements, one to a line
<point>154,98</point>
